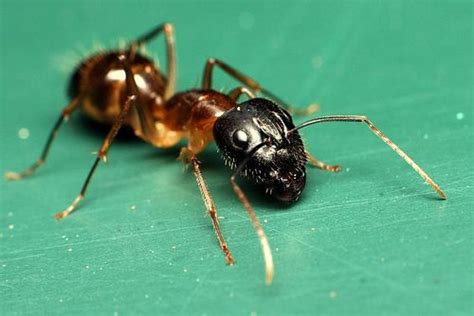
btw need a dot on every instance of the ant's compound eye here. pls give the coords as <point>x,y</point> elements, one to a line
<point>240,139</point>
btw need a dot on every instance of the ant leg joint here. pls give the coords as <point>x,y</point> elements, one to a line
<point>168,27</point>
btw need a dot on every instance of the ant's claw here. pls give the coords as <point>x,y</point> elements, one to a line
<point>12,176</point>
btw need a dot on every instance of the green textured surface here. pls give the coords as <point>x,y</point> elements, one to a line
<point>371,240</point>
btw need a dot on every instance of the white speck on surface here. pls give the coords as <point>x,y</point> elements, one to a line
<point>173,247</point>
<point>425,136</point>
<point>202,259</point>
<point>265,220</point>
<point>77,235</point>
<point>63,236</point>
<point>185,270</point>
<point>100,268</point>
<point>313,228</point>
<point>23,133</point>
<point>67,239</point>
<point>10,214</point>
<point>133,207</point>
<point>115,313</point>
<point>246,20</point>
<point>220,217</point>
<point>348,169</point>
<point>152,226</point>
<point>87,267</point>
<point>4,265</point>
<point>11,226</point>
<point>460,115</point>
<point>147,296</point>
<point>277,249</point>
<point>333,294</point>
<point>197,280</point>
<point>70,249</point>
<point>317,62</point>
<point>60,300</point>
<point>170,263</point>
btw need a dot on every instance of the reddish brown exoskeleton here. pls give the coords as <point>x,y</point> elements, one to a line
<point>257,137</point>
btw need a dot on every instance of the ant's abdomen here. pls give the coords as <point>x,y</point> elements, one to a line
<point>100,83</point>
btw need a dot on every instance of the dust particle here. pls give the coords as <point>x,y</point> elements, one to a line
<point>87,267</point>
<point>313,228</point>
<point>185,270</point>
<point>265,221</point>
<point>70,249</point>
<point>332,294</point>
<point>4,265</point>
<point>425,136</point>
<point>348,169</point>
<point>147,296</point>
<point>23,133</point>
<point>197,280</point>
<point>133,207</point>
<point>11,226</point>
<point>460,116</point>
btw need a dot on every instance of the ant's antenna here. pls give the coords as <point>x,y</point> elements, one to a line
<point>379,134</point>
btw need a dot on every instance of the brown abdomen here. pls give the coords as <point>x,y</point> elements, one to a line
<point>101,81</point>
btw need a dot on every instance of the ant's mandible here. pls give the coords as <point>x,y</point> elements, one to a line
<point>256,138</point>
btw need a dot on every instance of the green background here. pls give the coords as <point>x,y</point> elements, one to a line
<point>372,239</point>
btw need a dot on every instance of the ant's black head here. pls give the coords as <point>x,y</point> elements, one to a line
<point>279,165</point>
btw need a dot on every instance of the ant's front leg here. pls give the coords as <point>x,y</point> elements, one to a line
<point>188,157</point>
<point>250,83</point>
<point>321,165</point>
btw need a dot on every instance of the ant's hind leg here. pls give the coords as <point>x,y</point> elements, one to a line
<point>250,83</point>
<point>168,30</point>
<point>73,105</point>
<point>321,165</point>
<point>190,158</point>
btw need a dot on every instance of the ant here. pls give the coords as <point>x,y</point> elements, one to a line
<point>257,138</point>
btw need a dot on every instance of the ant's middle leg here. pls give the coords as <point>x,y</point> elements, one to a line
<point>168,30</point>
<point>252,84</point>
<point>102,153</point>
<point>190,158</point>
